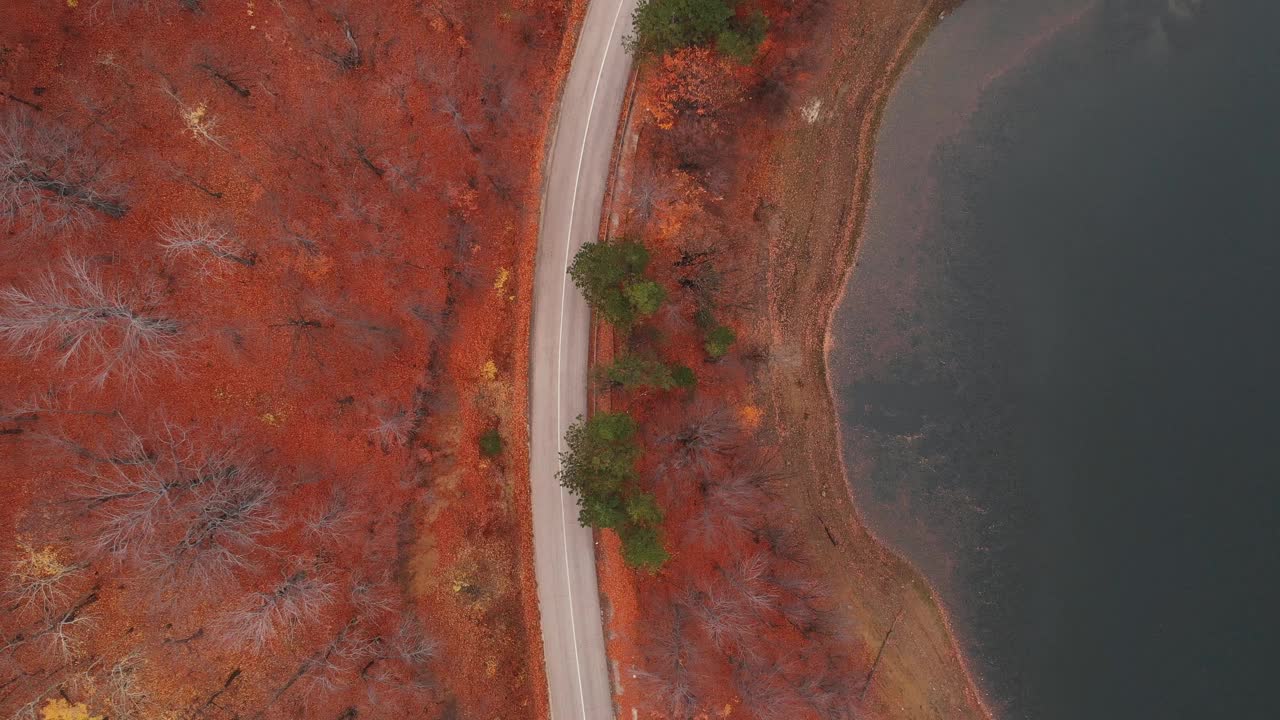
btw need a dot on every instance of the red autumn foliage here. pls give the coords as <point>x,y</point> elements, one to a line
<point>265,283</point>
<point>738,624</point>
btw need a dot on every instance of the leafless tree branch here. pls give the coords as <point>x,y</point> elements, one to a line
<point>49,179</point>
<point>82,317</point>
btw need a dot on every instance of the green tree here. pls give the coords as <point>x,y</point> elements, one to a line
<point>491,443</point>
<point>718,340</point>
<point>633,371</point>
<point>601,267</point>
<point>642,547</point>
<point>663,25</point>
<point>683,376</point>
<point>611,278</point>
<point>599,467</point>
<point>741,43</point>
<point>645,297</point>
<point>660,26</point>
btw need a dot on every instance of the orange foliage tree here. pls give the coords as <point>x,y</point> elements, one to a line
<point>694,83</point>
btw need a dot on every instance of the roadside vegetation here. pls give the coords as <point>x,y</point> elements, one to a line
<point>263,302</point>
<point>736,620</point>
<point>600,468</point>
<point>661,26</point>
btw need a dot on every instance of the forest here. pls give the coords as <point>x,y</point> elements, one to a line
<point>264,442</point>
<point>264,335</point>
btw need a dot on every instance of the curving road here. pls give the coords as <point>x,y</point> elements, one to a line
<point>564,553</point>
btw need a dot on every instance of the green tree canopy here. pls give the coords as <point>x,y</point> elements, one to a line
<point>683,376</point>
<point>611,278</point>
<point>633,371</point>
<point>599,467</point>
<point>642,547</point>
<point>660,26</point>
<point>742,42</point>
<point>718,340</point>
<point>491,443</point>
<point>599,267</point>
<point>664,25</point>
<point>645,297</point>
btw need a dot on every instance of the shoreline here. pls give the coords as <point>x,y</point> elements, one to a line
<point>844,248</point>
<point>862,192</point>
<point>852,236</point>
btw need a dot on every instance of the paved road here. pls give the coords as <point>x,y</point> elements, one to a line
<point>564,554</point>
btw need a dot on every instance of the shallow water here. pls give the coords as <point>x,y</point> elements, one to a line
<point>1056,363</point>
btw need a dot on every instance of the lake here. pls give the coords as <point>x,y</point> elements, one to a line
<point>1057,362</point>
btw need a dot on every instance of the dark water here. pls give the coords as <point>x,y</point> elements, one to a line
<point>1058,362</point>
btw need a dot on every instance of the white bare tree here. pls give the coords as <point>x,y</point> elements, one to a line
<point>83,318</point>
<point>699,441</point>
<point>124,691</point>
<point>225,523</point>
<point>673,665</point>
<point>210,246</point>
<point>295,601</point>
<point>131,503</point>
<point>392,430</point>
<point>49,180</point>
<point>330,522</point>
<point>39,580</point>
<point>184,513</point>
<point>750,579</point>
<point>723,617</point>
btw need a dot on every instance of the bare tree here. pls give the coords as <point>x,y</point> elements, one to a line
<point>231,513</point>
<point>210,246</point>
<point>131,504</point>
<point>371,598</point>
<point>123,692</point>
<point>672,665</point>
<point>800,598</point>
<point>82,317</point>
<point>295,601</point>
<point>121,6</point>
<point>187,514</point>
<point>723,618</point>
<point>39,580</point>
<point>392,430</point>
<point>325,669</point>
<point>198,121</point>
<point>401,660</point>
<point>700,441</point>
<point>822,685</point>
<point>764,692</point>
<point>62,633</point>
<point>331,521</point>
<point>450,105</point>
<point>406,171</point>
<point>346,54</point>
<point>749,577</point>
<point>225,73</point>
<point>410,643</point>
<point>49,179</point>
<point>735,501</point>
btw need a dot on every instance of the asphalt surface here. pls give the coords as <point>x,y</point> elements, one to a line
<point>564,552</point>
